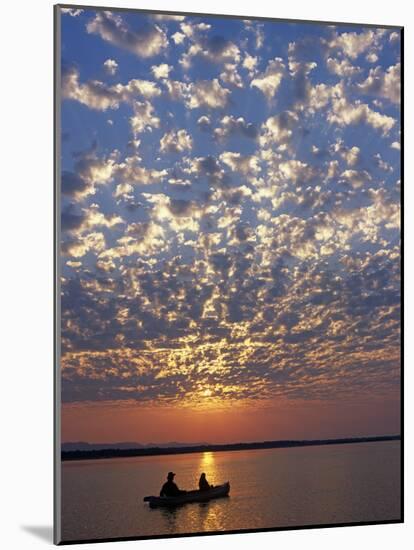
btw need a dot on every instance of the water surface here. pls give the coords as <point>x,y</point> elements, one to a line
<point>270,488</point>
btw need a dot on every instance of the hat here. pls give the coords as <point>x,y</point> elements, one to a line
<point>170,474</point>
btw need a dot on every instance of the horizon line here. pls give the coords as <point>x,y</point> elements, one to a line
<point>249,442</point>
<point>114,452</point>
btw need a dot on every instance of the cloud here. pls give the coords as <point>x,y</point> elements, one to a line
<point>368,222</point>
<point>383,84</point>
<point>250,62</point>
<point>142,238</point>
<point>111,66</point>
<point>73,12</point>
<point>207,93</point>
<point>79,247</point>
<point>296,170</point>
<point>278,129</point>
<point>124,190</point>
<point>94,94</point>
<point>79,234</point>
<point>73,264</point>
<point>185,183</point>
<point>143,118</point>
<point>71,220</point>
<point>178,38</point>
<point>161,71</point>
<point>73,185</point>
<point>269,81</point>
<point>89,172</point>
<point>98,95</point>
<point>230,76</point>
<point>356,178</point>
<point>204,166</point>
<point>303,91</point>
<point>394,37</point>
<point>351,155</point>
<point>144,88</point>
<point>180,214</point>
<point>344,113</point>
<point>320,95</point>
<point>382,164</point>
<point>233,248</point>
<point>176,142</point>
<point>229,126</point>
<point>146,41</point>
<point>95,169</point>
<point>257,30</point>
<point>202,93</point>
<point>354,44</point>
<point>221,50</point>
<point>191,29</point>
<point>237,346</point>
<point>215,49</point>
<point>168,17</point>
<point>248,164</point>
<point>371,57</point>
<point>78,222</point>
<point>204,123</point>
<point>95,218</point>
<point>132,172</point>
<point>342,67</point>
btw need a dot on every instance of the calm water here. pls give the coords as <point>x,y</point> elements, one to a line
<point>269,488</point>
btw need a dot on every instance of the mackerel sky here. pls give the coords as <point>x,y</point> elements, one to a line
<point>230,213</point>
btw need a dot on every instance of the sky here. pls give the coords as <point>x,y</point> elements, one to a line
<point>230,228</point>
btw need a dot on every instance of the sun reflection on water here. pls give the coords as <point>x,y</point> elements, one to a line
<point>209,467</point>
<point>207,460</point>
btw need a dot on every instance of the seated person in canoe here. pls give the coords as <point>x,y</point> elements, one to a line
<point>203,484</point>
<point>170,489</point>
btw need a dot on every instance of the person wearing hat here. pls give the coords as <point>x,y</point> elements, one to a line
<point>170,489</point>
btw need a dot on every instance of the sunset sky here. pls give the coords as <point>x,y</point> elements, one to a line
<point>230,229</point>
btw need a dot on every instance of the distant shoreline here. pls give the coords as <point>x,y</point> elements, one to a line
<point>157,451</point>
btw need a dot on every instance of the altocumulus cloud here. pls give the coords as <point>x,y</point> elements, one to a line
<point>236,227</point>
<point>146,41</point>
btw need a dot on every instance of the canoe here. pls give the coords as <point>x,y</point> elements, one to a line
<point>190,496</point>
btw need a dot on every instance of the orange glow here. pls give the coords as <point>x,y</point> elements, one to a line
<point>277,419</point>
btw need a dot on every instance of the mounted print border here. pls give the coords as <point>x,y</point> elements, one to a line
<point>228,264</point>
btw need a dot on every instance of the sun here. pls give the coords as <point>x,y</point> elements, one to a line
<point>207,393</point>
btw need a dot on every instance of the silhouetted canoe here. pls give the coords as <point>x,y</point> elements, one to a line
<point>190,496</point>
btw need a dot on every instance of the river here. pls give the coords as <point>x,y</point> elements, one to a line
<point>270,488</point>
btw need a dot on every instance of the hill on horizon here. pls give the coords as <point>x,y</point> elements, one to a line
<point>85,446</point>
<point>74,446</point>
